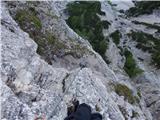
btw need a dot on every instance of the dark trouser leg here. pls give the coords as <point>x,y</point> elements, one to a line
<point>83,112</point>
<point>96,116</point>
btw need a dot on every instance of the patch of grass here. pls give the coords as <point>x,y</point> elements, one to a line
<point>24,16</point>
<point>48,44</point>
<point>84,20</point>
<point>50,38</point>
<point>116,37</point>
<point>123,90</point>
<point>148,43</point>
<point>143,7</point>
<point>130,65</point>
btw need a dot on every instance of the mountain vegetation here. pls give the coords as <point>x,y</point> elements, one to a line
<point>143,7</point>
<point>84,19</point>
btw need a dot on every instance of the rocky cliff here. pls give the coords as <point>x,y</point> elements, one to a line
<point>47,63</point>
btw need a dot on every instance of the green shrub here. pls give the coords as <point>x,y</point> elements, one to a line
<point>143,7</point>
<point>31,24</point>
<point>116,37</point>
<point>130,65</point>
<point>148,43</point>
<point>148,25</point>
<point>83,19</point>
<point>48,44</point>
<point>78,7</point>
<point>123,90</point>
<point>144,41</point>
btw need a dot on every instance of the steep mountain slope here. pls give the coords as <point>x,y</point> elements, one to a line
<point>46,64</point>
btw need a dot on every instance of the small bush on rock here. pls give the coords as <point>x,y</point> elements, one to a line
<point>116,37</point>
<point>143,7</point>
<point>48,44</point>
<point>130,65</point>
<point>123,90</point>
<point>24,16</point>
<point>84,20</point>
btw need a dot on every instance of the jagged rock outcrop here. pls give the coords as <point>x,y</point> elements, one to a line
<point>37,86</point>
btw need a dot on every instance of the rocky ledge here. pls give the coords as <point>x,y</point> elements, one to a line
<point>35,87</point>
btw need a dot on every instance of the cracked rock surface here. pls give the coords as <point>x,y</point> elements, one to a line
<point>32,88</point>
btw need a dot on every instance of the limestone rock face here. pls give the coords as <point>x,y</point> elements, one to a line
<point>32,88</point>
